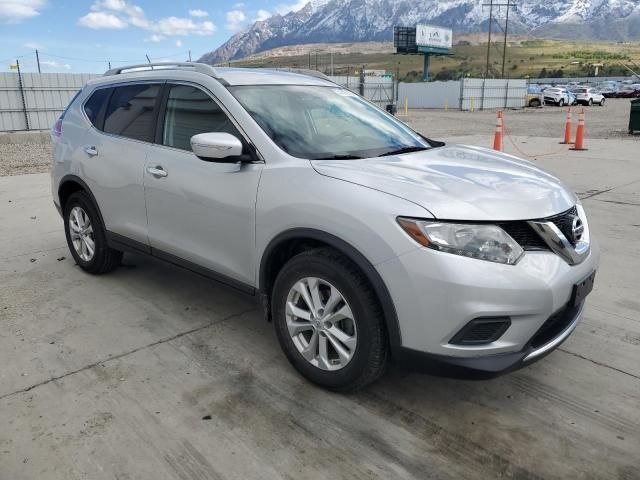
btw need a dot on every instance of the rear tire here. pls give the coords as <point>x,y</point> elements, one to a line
<point>561,102</point>
<point>602,102</point>
<point>365,345</point>
<point>591,102</point>
<point>86,236</point>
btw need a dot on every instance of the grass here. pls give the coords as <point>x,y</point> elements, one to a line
<point>525,58</point>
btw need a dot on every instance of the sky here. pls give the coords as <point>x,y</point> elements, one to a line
<point>83,36</point>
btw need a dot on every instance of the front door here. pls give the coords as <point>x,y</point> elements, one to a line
<point>200,211</point>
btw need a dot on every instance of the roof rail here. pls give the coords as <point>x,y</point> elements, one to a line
<point>305,71</point>
<point>198,67</point>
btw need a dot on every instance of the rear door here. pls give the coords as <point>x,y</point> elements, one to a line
<point>124,119</point>
<point>200,211</point>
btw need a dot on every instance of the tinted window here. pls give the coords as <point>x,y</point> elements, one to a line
<point>94,104</point>
<point>191,111</point>
<point>130,111</point>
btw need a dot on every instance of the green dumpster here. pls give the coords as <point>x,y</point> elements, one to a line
<point>634,117</point>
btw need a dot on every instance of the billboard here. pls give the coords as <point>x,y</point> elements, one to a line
<point>434,37</point>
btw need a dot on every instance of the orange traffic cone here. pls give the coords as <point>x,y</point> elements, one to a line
<point>567,129</point>
<point>580,134</point>
<point>497,139</point>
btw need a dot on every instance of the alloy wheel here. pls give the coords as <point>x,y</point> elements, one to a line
<point>81,232</point>
<point>321,324</point>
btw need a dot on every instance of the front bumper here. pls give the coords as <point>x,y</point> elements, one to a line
<point>436,294</point>
<point>487,366</point>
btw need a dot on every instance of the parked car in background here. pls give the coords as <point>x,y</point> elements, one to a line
<point>608,91</point>
<point>589,96</point>
<point>627,91</point>
<point>558,96</point>
<point>535,97</point>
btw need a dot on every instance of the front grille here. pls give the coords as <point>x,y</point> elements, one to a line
<point>522,233</point>
<point>481,331</point>
<point>554,326</point>
<point>526,236</point>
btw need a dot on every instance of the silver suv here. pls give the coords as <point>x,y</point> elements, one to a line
<point>365,241</point>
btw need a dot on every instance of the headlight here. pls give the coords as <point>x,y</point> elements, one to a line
<point>484,242</point>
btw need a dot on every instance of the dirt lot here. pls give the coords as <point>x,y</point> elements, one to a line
<point>20,158</point>
<point>155,373</point>
<point>610,121</point>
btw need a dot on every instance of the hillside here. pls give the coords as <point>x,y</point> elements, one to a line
<point>526,57</point>
<point>331,21</point>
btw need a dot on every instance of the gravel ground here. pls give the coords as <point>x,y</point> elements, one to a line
<point>610,121</point>
<point>20,158</point>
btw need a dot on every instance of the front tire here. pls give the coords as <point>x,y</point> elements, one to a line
<point>329,322</point>
<point>561,102</point>
<point>86,236</point>
<point>591,102</point>
<point>602,102</point>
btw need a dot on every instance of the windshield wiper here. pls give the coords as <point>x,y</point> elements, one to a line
<point>341,157</point>
<point>404,150</point>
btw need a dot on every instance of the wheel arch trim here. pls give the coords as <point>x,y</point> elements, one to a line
<point>70,178</point>
<point>367,268</point>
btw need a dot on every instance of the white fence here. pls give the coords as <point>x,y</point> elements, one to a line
<point>466,94</point>
<point>37,101</point>
<point>379,90</point>
<point>481,94</point>
<point>429,95</point>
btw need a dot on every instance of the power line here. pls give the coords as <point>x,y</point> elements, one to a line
<point>77,59</point>
<point>10,59</point>
<point>495,3</point>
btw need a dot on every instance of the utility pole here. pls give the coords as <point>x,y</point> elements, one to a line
<point>24,100</point>
<point>109,65</point>
<point>486,73</point>
<point>148,59</point>
<point>38,61</point>
<point>309,63</point>
<point>332,63</point>
<point>506,29</point>
<point>189,55</point>
<point>493,3</point>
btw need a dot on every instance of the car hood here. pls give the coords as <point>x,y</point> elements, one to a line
<point>459,182</point>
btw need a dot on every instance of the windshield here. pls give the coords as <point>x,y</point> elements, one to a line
<point>315,122</point>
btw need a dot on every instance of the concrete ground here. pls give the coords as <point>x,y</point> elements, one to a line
<point>155,373</point>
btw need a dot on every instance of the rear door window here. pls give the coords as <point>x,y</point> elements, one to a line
<point>94,105</point>
<point>130,112</point>
<point>191,111</point>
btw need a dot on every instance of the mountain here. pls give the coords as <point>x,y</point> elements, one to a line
<point>329,21</point>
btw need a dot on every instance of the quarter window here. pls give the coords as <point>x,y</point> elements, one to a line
<point>191,111</point>
<point>95,103</point>
<point>130,111</point>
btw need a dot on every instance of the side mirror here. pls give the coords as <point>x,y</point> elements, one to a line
<point>216,147</point>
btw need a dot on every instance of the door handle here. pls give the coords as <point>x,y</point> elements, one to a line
<point>91,150</point>
<point>157,172</point>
